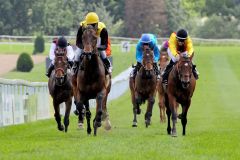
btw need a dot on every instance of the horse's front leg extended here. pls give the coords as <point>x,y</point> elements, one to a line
<point>185,108</point>
<point>173,108</point>
<point>105,116</point>
<point>98,117</point>
<point>168,112</point>
<point>57,115</point>
<point>148,114</point>
<point>135,115</point>
<point>67,113</point>
<point>88,117</point>
<point>81,112</point>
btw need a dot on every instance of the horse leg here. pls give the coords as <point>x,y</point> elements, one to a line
<point>98,117</point>
<point>168,112</point>
<point>148,113</point>
<point>105,116</point>
<point>135,115</point>
<point>81,112</point>
<point>173,107</point>
<point>184,117</point>
<point>67,113</point>
<point>57,116</point>
<point>88,117</point>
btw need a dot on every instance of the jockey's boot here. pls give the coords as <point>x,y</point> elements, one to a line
<point>107,65</point>
<point>75,67</point>
<point>166,72</point>
<point>156,70</point>
<point>136,68</point>
<point>195,72</point>
<point>49,71</point>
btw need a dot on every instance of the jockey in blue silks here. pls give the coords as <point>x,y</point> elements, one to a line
<point>151,41</point>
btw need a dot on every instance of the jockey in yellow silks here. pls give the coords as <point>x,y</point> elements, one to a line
<point>103,44</point>
<point>179,43</point>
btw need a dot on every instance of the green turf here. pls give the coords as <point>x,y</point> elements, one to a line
<point>20,48</point>
<point>121,61</point>
<point>212,129</point>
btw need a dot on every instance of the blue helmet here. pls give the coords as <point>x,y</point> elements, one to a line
<point>145,38</point>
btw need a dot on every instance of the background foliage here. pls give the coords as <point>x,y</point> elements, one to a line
<point>24,63</point>
<point>202,18</point>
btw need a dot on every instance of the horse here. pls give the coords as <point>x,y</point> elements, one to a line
<point>143,87</point>
<point>181,86</point>
<point>92,83</point>
<point>60,88</point>
<point>163,61</point>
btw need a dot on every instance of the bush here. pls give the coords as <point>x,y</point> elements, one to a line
<point>38,45</point>
<point>24,63</point>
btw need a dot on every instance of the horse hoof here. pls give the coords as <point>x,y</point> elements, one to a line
<point>107,125</point>
<point>66,130</point>
<point>60,128</point>
<point>76,112</point>
<point>147,122</point>
<point>134,124</point>
<point>80,126</point>
<point>174,133</point>
<point>89,130</point>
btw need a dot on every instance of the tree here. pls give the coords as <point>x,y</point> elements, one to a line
<point>145,16</point>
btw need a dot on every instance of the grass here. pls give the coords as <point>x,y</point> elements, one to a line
<point>212,129</point>
<point>121,61</point>
<point>20,48</point>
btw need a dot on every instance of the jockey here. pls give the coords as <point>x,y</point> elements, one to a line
<point>164,46</point>
<point>151,41</point>
<point>59,43</point>
<point>103,43</point>
<point>179,43</point>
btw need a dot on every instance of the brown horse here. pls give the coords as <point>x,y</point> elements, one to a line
<point>143,87</point>
<point>181,86</point>
<point>60,87</point>
<point>163,61</point>
<point>92,83</point>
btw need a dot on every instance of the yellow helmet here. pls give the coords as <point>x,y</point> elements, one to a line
<point>92,18</point>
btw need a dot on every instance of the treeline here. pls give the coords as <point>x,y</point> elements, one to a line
<point>202,18</point>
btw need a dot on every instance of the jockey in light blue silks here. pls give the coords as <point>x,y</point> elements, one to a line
<point>151,41</point>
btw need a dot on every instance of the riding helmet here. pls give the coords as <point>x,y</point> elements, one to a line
<point>145,38</point>
<point>91,18</point>
<point>62,42</point>
<point>182,34</point>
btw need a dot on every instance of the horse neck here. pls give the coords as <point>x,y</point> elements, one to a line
<point>142,72</point>
<point>175,73</point>
<point>92,66</point>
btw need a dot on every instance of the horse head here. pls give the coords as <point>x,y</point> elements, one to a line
<point>184,69</point>
<point>61,65</point>
<point>148,61</point>
<point>89,40</point>
<point>163,61</point>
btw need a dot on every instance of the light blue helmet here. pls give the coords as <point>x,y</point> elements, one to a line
<point>145,38</point>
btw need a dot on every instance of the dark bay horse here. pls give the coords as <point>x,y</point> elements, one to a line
<point>60,87</point>
<point>92,83</point>
<point>181,86</point>
<point>143,87</point>
<point>163,61</point>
